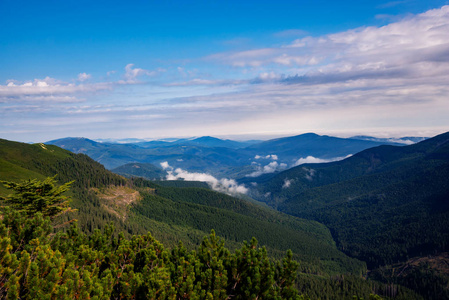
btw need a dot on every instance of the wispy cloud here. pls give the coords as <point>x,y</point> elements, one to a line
<point>132,74</point>
<point>224,185</point>
<point>272,167</point>
<point>364,80</point>
<point>402,49</point>
<point>290,33</point>
<point>316,160</point>
<point>393,3</point>
<point>84,76</point>
<point>287,183</point>
<point>55,90</point>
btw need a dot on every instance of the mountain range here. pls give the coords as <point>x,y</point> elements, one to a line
<point>220,158</point>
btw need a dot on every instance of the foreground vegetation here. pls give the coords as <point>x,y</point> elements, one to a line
<point>152,220</point>
<point>39,262</point>
<point>36,264</point>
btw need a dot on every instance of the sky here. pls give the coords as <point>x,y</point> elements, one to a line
<point>230,69</point>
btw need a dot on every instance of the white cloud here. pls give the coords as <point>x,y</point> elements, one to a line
<point>51,89</point>
<point>84,76</point>
<point>47,89</point>
<point>131,74</point>
<point>310,160</point>
<point>272,167</point>
<point>315,160</point>
<point>269,156</point>
<point>310,173</point>
<point>366,52</point>
<point>287,183</point>
<point>266,76</point>
<point>165,165</point>
<point>224,185</point>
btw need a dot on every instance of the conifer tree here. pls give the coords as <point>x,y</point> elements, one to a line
<point>32,196</point>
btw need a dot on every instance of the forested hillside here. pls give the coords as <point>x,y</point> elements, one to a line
<point>35,263</point>
<point>148,171</point>
<point>383,205</point>
<point>19,161</point>
<point>184,212</point>
<point>101,196</point>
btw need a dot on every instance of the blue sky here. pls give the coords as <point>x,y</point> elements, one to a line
<point>238,69</point>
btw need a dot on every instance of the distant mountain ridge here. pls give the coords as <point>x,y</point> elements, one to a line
<point>205,141</point>
<point>148,171</point>
<point>408,140</point>
<point>221,158</point>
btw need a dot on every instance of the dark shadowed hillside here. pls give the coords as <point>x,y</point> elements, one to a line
<point>382,204</point>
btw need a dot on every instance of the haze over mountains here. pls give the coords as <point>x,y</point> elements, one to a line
<point>217,157</point>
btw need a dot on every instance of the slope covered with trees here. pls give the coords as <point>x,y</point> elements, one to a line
<point>37,262</point>
<point>172,214</point>
<point>383,205</point>
<point>19,161</point>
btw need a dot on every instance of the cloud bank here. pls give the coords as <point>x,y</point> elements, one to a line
<point>224,185</point>
<point>365,80</point>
